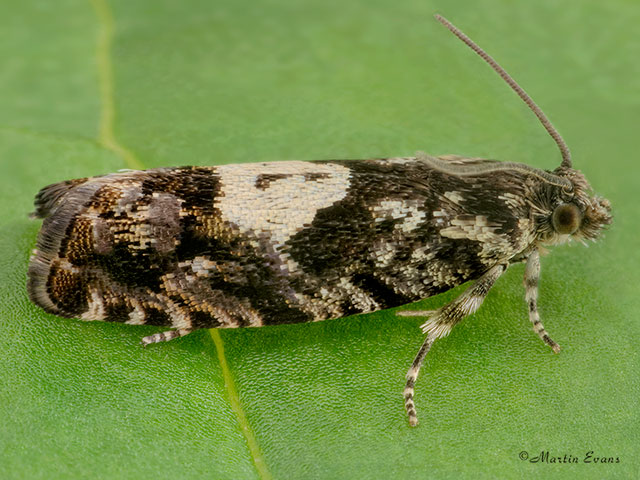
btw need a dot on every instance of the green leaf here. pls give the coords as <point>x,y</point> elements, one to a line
<point>91,88</point>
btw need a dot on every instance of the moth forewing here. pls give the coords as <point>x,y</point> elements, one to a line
<point>289,242</point>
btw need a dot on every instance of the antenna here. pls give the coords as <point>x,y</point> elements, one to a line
<point>564,150</point>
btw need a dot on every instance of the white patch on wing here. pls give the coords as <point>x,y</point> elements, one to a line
<point>383,253</point>
<point>397,160</point>
<point>406,210</point>
<point>95,310</point>
<point>423,254</point>
<point>476,228</point>
<point>130,194</point>
<point>454,197</point>
<point>287,202</point>
<point>359,298</point>
<point>479,229</point>
<point>513,201</point>
<point>64,264</point>
<point>137,315</point>
<point>201,266</point>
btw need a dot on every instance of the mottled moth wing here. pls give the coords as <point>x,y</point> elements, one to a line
<point>270,243</point>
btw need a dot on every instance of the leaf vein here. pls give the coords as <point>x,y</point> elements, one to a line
<point>109,140</point>
<point>236,406</point>
<point>107,135</point>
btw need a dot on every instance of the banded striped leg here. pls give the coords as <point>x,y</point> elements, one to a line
<point>412,376</point>
<point>164,336</point>
<point>531,277</point>
<point>441,322</point>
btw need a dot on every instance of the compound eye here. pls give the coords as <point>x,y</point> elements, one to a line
<point>566,218</point>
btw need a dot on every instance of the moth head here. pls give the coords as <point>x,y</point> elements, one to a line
<point>577,213</point>
<point>565,208</point>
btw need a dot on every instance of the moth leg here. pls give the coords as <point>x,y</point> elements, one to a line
<point>412,376</point>
<point>441,322</point>
<point>531,277</point>
<point>165,336</point>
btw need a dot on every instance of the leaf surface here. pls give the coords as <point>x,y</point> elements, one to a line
<point>90,88</point>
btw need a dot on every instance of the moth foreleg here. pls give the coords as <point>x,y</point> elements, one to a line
<point>531,277</point>
<point>441,321</point>
<point>439,325</point>
<point>165,336</point>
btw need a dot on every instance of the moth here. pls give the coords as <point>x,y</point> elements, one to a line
<point>288,242</point>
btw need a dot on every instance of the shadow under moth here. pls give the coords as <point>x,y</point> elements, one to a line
<point>287,242</point>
